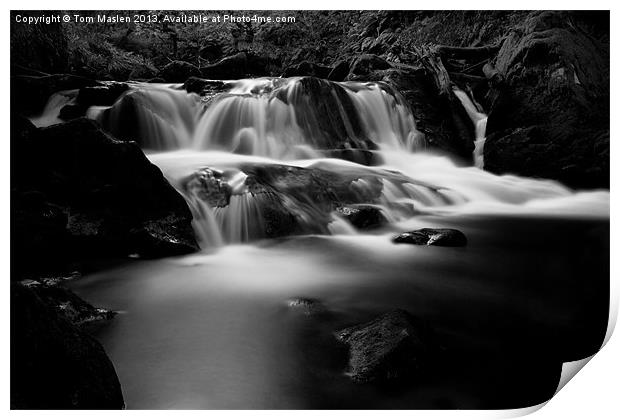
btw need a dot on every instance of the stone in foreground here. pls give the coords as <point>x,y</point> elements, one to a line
<point>389,347</point>
<point>428,236</point>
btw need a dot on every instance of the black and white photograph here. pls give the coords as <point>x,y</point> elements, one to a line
<point>306,209</point>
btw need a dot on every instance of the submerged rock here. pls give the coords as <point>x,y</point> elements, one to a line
<point>437,237</point>
<point>308,306</point>
<point>392,346</point>
<point>54,365</point>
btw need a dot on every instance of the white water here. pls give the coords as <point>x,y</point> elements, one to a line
<point>49,115</point>
<point>479,120</point>
<point>285,122</point>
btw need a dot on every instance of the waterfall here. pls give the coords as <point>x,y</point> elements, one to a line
<point>264,159</point>
<point>293,118</point>
<point>480,123</point>
<point>51,111</point>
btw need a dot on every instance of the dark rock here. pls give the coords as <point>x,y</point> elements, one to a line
<point>340,71</point>
<point>69,306</point>
<point>306,68</point>
<point>211,50</point>
<point>550,116</point>
<point>290,200</point>
<point>77,192</point>
<point>363,216</point>
<point>104,95</point>
<point>308,306</point>
<point>366,63</point>
<point>442,119</point>
<point>54,365</point>
<point>361,156</point>
<point>236,66</point>
<point>391,347</point>
<point>316,101</point>
<point>437,237</point>
<point>179,71</point>
<point>29,94</point>
<point>204,86</point>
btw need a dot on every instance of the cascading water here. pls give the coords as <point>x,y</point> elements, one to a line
<point>282,124</point>
<point>480,123</point>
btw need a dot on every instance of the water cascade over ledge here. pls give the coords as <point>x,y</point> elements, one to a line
<point>274,157</point>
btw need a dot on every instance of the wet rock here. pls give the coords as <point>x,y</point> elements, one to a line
<point>103,95</point>
<point>89,195</point>
<point>307,306</point>
<point>340,71</point>
<point>391,347</point>
<point>68,305</point>
<point>436,237</point>
<point>306,68</point>
<point>363,216</point>
<point>29,94</point>
<point>54,365</point>
<point>204,86</point>
<point>550,116</point>
<point>288,199</point>
<point>442,119</point>
<point>179,71</point>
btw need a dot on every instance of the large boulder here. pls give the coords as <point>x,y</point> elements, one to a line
<point>103,95</point>
<point>366,64</point>
<point>550,116</point>
<point>179,71</point>
<point>77,193</point>
<point>54,365</point>
<point>286,200</point>
<point>392,346</point>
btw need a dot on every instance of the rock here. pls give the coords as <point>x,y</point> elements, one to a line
<point>391,347</point>
<point>442,119</point>
<point>236,66</point>
<point>366,63</point>
<point>69,306</point>
<point>427,236</point>
<point>363,216</point>
<point>211,50</point>
<point>550,115</point>
<point>315,101</point>
<point>306,68</point>
<point>77,192</point>
<point>308,306</point>
<point>29,94</point>
<point>54,365</point>
<point>204,86</point>
<point>340,71</point>
<point>103,95</point>
<point>290,200</point>
<point>179,71</point>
